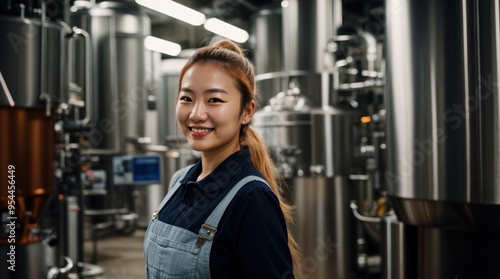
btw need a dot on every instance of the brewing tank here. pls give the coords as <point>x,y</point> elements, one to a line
<point>26,73</point>
<point>443,112</point>
<point>312,147</point>
<point>443,135</point>
<point>121,73</point>
<point>267,42</point>
<point>33,81</point>
<point>309,135</point>
<point>290,43</point>
<point>167,98</point>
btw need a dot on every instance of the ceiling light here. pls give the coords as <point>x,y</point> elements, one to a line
<point>227,30</point>
<point>163,46</point>
<point>175,10</point>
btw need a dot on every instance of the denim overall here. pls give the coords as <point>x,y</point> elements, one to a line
<point>174,252</point>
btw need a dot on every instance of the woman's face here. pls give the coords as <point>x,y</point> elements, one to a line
<point>208,110</point>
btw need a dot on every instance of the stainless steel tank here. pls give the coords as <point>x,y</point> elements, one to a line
<point>124,75</point>
<point>28,68</point>
<point>33,81</point>
<point>167,98</point>
<point>313,149</point>
<point>309,136</point>
<point>120,74</point>
<point>290,43</point>
<point>399,249</point>
<point>266,42</point>
<point>443,134</point>
<point>443,112</point>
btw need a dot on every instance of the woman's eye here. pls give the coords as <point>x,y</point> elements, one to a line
<point>214,100</point>
<point>185,99</point>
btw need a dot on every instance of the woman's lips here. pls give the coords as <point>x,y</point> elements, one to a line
<point>200,132</point>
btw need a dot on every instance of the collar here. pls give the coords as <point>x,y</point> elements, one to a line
<point>221,175</point>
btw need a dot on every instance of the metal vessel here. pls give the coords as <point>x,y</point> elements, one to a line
<point>443,162</point>
<point>313,149</point>
<point>442,165</point>
<point>267,42</point>
<point>121,73</point>
<point>399,249</point>
<point>124,75</point>
<point>33,77</point>
<point>309,134</point>
<point>166,100</point>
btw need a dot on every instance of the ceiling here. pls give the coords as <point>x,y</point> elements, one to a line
<point>224,9</point>
<point>238,13</point>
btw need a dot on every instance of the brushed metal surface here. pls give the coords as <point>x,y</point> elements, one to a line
<point>21,61</point>
<point>312,142</point>
<point>323,226</point>
<point>399,249</point>
<point>120,73</point>
<point>442,101</point>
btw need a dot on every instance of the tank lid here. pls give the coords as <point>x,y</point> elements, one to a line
<point>289,100</point>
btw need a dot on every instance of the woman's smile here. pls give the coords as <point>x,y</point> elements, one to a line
<point>200,132</point>
<point>209,110</point>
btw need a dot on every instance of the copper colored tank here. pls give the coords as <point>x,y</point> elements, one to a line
<point>27,143</point>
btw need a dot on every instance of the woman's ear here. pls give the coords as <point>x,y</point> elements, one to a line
<point>248,112</point>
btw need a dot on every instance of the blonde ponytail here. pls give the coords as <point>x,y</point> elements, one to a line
<point>265,165</point>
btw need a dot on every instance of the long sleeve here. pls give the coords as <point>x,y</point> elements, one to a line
<point>260,235</point>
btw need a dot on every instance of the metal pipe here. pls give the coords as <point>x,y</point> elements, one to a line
<point>6,91</point>
<point>144,143</point>
<point>88,78</point>
<point>55,271</point>
<point>360,85</point>
<point>337,15</point>
<point>114,79</point>
<point>23,10</point>
<point>362,218</point>
<point>43,45</point>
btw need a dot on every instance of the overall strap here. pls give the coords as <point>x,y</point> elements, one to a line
<point>175,185</point>
<point>209,228</point>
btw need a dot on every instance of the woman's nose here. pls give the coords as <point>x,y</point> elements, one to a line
<point>198,113</point>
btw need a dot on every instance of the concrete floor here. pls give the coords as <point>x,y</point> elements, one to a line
<point>120,256</point>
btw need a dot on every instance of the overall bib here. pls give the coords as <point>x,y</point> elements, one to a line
<point>174,252</point>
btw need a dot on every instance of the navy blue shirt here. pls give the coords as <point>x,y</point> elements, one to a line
<point>251,239</point>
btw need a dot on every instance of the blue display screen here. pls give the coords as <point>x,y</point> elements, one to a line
<point>146,169</point>
<point>136,169</point>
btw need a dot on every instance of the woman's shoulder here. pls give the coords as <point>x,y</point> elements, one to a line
<point>256,189</point>
<point>252,202</point>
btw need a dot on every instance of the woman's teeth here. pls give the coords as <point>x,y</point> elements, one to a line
<point>200,130</point>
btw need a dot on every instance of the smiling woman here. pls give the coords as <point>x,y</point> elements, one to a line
<point>223,217</point>
<point>209,113</point>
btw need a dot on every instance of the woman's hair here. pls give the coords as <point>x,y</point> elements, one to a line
<point>229,57</point>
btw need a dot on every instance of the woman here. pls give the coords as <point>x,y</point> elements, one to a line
<point>223,217</point>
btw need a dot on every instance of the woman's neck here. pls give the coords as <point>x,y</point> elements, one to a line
<point>211,160</point>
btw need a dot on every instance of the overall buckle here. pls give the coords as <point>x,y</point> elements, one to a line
<point>206,232</point>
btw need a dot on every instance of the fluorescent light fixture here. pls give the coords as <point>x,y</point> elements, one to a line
<point>175,10</point>
<point>163,46</point>
<point>227,30</point>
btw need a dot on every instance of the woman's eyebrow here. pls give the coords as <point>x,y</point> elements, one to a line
<point>216,90</point>
<point>211,90</point>
<point>186,89</point>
